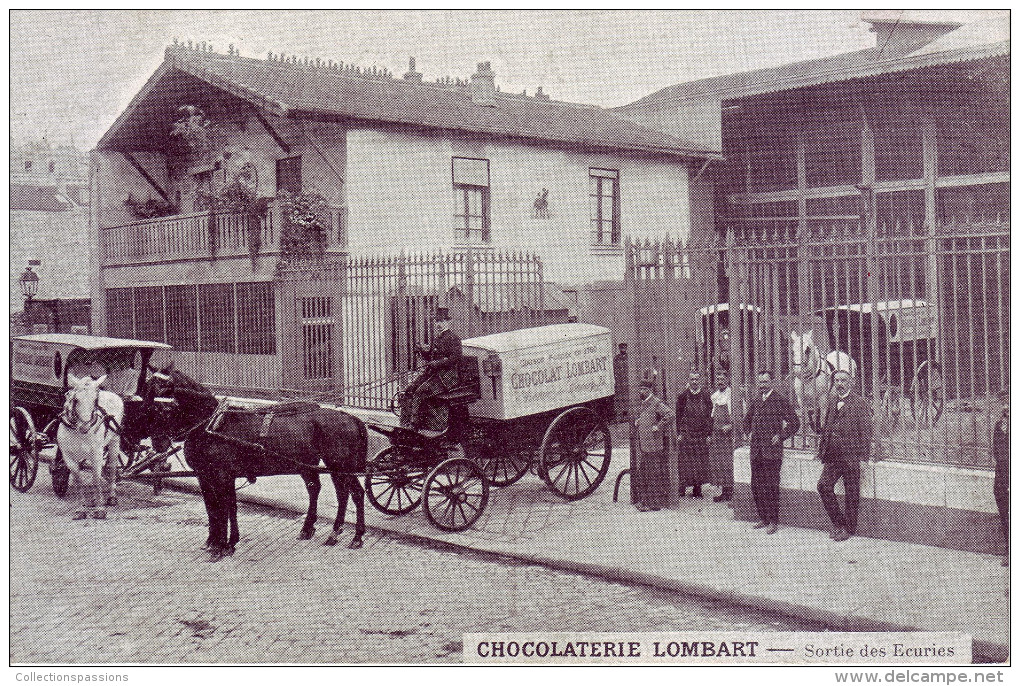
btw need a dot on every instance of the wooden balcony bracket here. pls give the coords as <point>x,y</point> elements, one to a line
<point>145,174</point>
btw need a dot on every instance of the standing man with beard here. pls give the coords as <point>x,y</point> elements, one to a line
<point>845,443</point>
<point>769,421</point>
<point>694,427</point>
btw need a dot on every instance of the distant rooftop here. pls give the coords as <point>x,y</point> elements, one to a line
<point>902,43</point>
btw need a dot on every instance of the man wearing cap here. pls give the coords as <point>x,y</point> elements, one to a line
<point>769,421</point>
<point>845,443</point>
<point>441,373</point>
<point>651,423</point>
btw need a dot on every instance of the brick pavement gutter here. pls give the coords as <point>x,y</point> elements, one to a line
<point>983,650</point>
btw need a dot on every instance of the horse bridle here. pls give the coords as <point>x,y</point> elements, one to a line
<point>98,414</point>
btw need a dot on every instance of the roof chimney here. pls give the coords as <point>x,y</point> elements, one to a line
<point>411,74</point>
<point>539,95</point>
<point>483,85</point>
<point>897,32</point>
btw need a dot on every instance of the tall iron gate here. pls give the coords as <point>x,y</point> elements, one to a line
<point>350,329</point>
<point>923,315</point>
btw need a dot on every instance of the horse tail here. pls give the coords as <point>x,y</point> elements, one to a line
<point>362,444</point>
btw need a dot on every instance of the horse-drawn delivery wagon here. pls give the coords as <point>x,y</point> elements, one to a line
<point>538,398</point>
<point>41,368</point>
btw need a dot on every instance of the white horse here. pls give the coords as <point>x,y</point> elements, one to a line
<point>812,375</point>
<point>89,434</point>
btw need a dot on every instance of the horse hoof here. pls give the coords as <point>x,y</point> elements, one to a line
<point>330,541</point>
<point>99,514</point>
<point>306,534</point>
<point>80,515</point>
<point>216,556</point>
<point>111,501</point>
<point>355,544</point>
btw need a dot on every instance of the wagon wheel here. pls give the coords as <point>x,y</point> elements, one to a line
<point>393,488</point>
<point>575,453</point>
<point>59,474</point>
<point>24,450</point>
<point>456,493</point>
<point>927,391</point>
<point>503,462</point>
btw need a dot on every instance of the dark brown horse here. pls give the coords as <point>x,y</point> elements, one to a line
<point>291,438</point>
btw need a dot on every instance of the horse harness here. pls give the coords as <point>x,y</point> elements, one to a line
<point>213,423</point>
<point>98,414</point>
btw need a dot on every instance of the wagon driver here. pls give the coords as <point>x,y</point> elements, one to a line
<point>442,364</point>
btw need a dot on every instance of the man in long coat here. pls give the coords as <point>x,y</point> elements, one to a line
<point>845,443</point>
<point>441,373</point>
<point>769,421</point>
<point>652,420</point>
<point>693,427</point>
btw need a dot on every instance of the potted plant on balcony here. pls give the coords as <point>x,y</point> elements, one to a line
<point>304,223</point>
<point>149,209</point>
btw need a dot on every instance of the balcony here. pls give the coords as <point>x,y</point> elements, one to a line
<point>203,235</point>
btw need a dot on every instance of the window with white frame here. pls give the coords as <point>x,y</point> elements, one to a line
<point>471,200</point>
<point>604,191</point>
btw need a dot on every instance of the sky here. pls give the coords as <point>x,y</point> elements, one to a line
<point>73,72</point>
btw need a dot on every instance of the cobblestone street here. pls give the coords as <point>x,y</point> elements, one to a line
<point>137,588</point>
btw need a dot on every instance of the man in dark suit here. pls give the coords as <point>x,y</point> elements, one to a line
<point>441,373</point>
<point>769,421</point>
<point>845,443</point>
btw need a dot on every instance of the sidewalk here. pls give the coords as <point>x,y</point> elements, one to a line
<point>699,549</point>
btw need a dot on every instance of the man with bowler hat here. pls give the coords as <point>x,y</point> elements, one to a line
<point>844,444</point>
<point>769,421</point>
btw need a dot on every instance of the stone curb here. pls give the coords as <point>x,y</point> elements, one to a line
<point>983,651</point>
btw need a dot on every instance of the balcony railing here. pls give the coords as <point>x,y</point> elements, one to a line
<point>201,235</point>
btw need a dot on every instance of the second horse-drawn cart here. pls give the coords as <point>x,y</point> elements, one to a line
<point>537,399</point>
<point>40,365</point>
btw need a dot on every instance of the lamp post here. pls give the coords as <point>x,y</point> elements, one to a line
<point>29,282</point>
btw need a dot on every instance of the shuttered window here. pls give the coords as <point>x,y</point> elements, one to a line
<point>604,193</point>
<point>471,217</point>
<point>149,322</point>
<point>288,175</point>
<point>316,337</point>
<point>216,317</point>
<point>182,318</point>
<point>256,318</point>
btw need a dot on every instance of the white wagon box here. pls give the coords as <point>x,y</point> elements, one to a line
<point>536,370</point>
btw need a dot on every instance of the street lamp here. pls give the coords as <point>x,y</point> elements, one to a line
<point>29,282</point>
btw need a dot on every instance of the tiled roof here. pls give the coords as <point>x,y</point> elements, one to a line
<point>966,43</point>
<point>296,89</point>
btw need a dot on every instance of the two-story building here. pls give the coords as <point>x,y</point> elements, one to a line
<point>400,164</point>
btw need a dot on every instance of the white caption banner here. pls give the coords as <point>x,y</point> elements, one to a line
<point>720,647</point>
